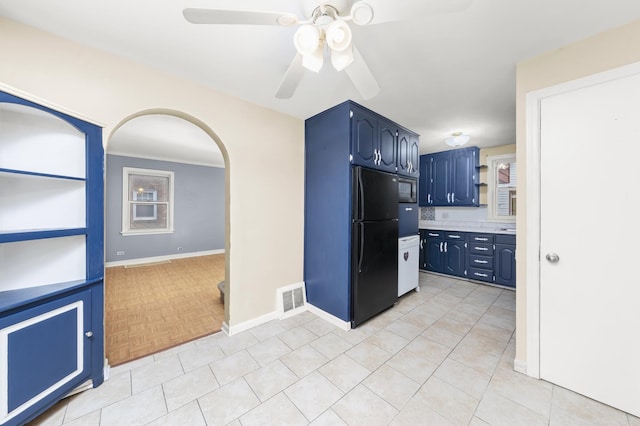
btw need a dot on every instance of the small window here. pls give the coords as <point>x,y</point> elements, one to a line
<point>503,175</point>
<point>147,204</point>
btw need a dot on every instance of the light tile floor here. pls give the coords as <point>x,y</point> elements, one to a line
<point>442,356</point>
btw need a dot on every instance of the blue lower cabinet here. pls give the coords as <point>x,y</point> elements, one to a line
<point>432,248</point>
<point>49,350</point>
<point>505,264</point>
<point>454,257</point>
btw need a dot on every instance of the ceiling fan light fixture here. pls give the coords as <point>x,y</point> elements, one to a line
<point>307,39</point>
<point>340,59</point>
<point>361,13</point>
<point>457,139</point>
<point>338,36</point>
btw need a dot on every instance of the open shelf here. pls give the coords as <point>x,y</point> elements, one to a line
<point>37,234</point>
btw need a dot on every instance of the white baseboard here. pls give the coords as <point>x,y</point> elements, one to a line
<point>244,326</point>
<point>143,260</point>
<point>344,325</point>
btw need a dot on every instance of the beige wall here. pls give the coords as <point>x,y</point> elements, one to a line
<point>611,49</point>
<point>263,148</point>
<point>483,175</point>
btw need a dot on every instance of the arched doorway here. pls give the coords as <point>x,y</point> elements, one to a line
<point>166,233</point>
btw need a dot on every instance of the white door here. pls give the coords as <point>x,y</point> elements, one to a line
<point>590,218</point>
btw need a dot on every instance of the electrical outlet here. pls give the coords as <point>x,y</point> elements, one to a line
<point>180,248</point>
<point>120,253</point>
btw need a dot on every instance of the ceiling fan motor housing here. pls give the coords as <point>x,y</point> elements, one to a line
<point>309,6</point>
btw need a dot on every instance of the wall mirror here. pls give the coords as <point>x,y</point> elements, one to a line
<point>502,194</point>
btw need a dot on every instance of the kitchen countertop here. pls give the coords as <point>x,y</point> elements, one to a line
<point>459,226</point>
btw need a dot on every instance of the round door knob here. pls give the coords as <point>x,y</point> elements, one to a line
<point>552,258</point>
<point>89,334</point>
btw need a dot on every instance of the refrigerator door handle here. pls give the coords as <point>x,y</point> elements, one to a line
<point>360,197</point>
<point>361,248</point>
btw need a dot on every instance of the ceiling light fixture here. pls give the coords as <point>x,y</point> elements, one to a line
<point>326,28</point>
<point>457,139</point>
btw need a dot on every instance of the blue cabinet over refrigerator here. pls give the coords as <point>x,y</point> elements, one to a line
<point>336,140</point>
<point>51,257</point>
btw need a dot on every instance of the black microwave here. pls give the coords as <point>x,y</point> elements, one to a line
<point>407,190</point>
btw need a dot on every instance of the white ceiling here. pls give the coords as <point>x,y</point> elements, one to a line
<point>438,73</point>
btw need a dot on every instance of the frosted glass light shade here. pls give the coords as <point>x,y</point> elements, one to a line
<point>313,61</point>
<point>338,35</point>
<point>307,39</point>
<point>457,139</point>
<point>341,59</point>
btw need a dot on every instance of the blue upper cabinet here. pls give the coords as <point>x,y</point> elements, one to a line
<point>408,153</point>
<point>450,178</point>
<point>51,257</point>
<point>365,139</point>
<point>373,140</point>
<point>381,144</point>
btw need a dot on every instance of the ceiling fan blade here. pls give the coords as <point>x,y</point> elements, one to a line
<point>386,11</point>
<point>238,17</point>
<point>291,78</point>
<point>361,76</point>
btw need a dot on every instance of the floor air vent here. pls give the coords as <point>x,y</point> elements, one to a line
<point>291,299</point>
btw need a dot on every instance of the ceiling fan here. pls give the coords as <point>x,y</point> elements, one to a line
<point>327,25</point>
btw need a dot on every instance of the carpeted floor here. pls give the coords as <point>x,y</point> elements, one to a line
<point>154,307</point>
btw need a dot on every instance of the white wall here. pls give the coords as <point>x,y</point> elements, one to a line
<point>263,149</point>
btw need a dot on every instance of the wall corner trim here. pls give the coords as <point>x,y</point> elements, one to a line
<point>343,325</point>
<point>520,366</point>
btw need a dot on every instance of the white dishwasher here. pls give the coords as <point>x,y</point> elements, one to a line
<point>408,253</point>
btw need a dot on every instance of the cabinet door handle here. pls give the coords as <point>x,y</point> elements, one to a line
<point>481,239</point>
<point>454,236</point>
<point>421,246</point>
<point>428,198</point>
<point>441,247</point>
<point>445,246</point>
<point>433,235</point>
<point>453,197</point>
<point>481,261</point>
<point>448,197</point>
<point>481,248</point>
<point>478,274</point>
<point>379,157</point>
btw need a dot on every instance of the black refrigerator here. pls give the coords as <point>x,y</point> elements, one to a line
<point>374,243</point>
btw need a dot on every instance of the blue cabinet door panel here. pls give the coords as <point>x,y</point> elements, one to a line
<point>505,264</point>
<point>455,258</point>
<point>47,354</point>
<point>387,146</point>
<point>463,182</point>
<point>441,174</point>
<point>364,138</point>
<point>42,354</point>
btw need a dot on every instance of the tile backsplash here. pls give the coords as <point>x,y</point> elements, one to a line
<point>427,213</point>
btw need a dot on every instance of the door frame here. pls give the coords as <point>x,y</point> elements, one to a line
<point>533,229</point>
